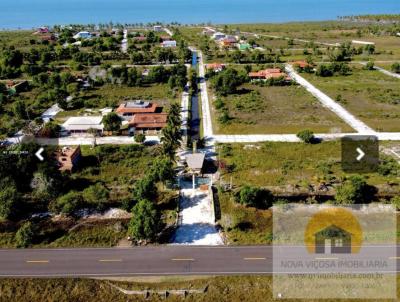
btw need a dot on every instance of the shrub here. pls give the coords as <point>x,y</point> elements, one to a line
<point>25,235</point>
<point>396,67</point>
<point>395,201</point>
<point>353,190</point>
<point>67,204</point>
<point>96,195</point>
<point>369,66</point>
<point>307,136</point>
<point>144,222</point>
<point>140,138</point>
<point>255,197</point>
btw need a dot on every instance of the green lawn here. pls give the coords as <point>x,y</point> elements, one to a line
<point>276,109</point>
<point>370,95</point>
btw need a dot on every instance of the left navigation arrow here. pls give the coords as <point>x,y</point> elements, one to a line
<point>39,154</point>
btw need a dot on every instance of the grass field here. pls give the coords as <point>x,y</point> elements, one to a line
<point>285,169</point>
<point>370,95</point>
<point>278,109</point>
<point>221,288</point>
<point>275,164</point>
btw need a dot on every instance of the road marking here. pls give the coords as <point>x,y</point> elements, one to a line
<point>110,260</point>
<point>327,258</point>
<point>255,258</point>
<point>182,259</point>
<point>37,261</point>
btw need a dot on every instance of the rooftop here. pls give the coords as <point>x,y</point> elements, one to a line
<point>149,120</point>
<point>137,107</point>
<point>84,123</point>
<point>195,161</point>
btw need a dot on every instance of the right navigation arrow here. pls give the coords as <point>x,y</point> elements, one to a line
<point>361,154</point>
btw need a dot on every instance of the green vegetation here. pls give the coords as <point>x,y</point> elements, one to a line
<point>370,95</point>
<point>306,136</point>
<point>257,109</point>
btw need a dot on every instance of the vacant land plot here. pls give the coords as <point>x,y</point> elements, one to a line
<point>370,95</point>
<point>291,170</point>
<point>275,164</point>
<point>275,109</point>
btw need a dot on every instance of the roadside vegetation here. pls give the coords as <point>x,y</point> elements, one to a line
<point>256,176</point>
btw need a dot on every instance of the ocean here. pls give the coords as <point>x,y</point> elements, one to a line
<point>32,13</point>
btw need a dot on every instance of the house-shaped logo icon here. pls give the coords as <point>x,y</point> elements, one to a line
<point>333,230</point>
<point>332,240</point>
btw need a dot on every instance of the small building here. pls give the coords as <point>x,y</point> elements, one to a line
<point>83,35</point>
<point>82,125</point>
<point>15,87</point>
<point>43,30</point>
<point>169,43</point>
<point>216,67</point>
<point>332,240</point>
<point>244,46</point>
<point>302,64</point>
<point>268,73</point>
<point>195,162</point>
<point>165,38</point>
<point>218,36</point>
<point>128,109</point>
<point>227,42</point>
<point>148,123</point>
<point>157,28</point>
<point>67,158</point>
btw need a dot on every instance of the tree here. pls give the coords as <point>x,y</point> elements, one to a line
<point>50,129</point>
<point>19,110</point>
<point>145,188</point>
<point>25,235</point>
<point>9,201</point>
<point>307,136</point>
<point>96,195</point>
<point>140,138</point>
<point>255,197</point>
<point>226,81</point>
<point>67,204</point>
<point>112,122</point>
<point>145,221</point>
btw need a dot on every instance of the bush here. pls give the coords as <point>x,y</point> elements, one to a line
<point>307,136</point>
<point>140,138</point>
<point>369,66</point>
<point>9,200</point>
<point>395,201</point>
<point>67,204</point>
<point>96,195</point>
<point>396,67</point>
<point>255,197</point>
<point>25,235</point>
<point>353,190</point>
<point>145,221</point>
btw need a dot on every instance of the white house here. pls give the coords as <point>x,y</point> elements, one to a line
<point>171,43</point>
<point>82,124</point>
<point>157,28</point>
<point>218,36</point>
<point>83,35</point>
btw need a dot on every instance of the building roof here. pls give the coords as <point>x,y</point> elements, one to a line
<point>268,74</point>
<point>137,107</point>
<point>84,123</point>
<point>195,161</point>
<point>215,66</point>
<point>301,64</point>
<point>149,120</point>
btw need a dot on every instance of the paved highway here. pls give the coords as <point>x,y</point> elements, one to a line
<point>155,260</point>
